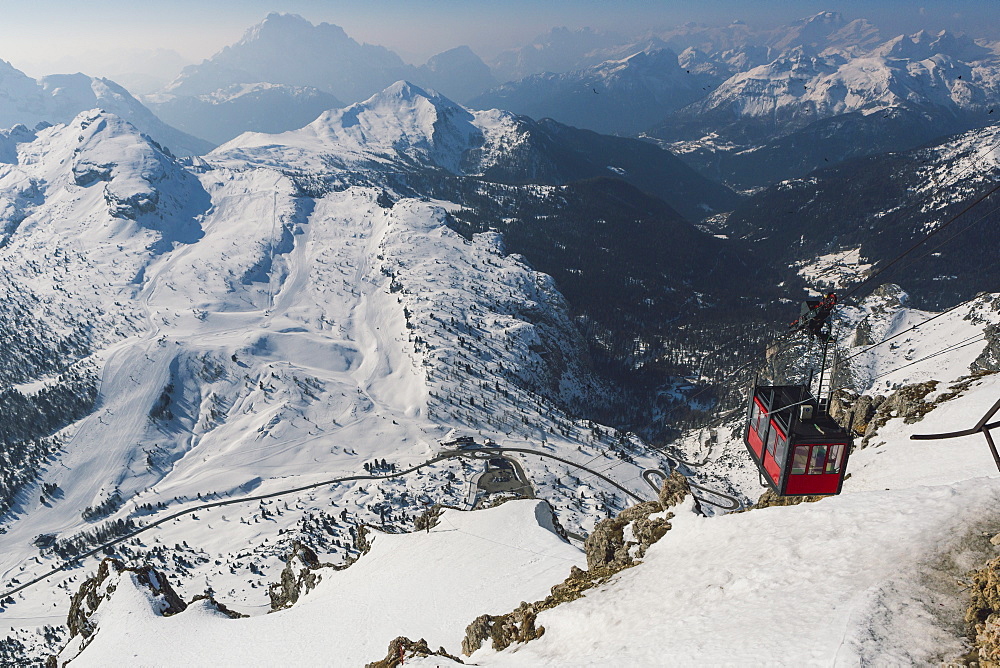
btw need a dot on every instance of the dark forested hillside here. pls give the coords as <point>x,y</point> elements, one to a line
<point>570,154</point>
<point>884,204</point>
<point>650,292</point>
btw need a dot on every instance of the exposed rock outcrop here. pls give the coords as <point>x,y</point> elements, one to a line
<point>607,544</point>
<point>95,590</point>
<point>983,614</point>
<point>220,607</point>
<point>674,490</point>
<point>989,359</point>
<point>907,402</point>
<point>853,412</point>
<point>360,539</point>
<point>297,578</point>
<point>769,499</point>
<point>429,518</point>
<point>864,415</point>
<point>615,544</point>
<point>402,648</point>
<point>884,301</point>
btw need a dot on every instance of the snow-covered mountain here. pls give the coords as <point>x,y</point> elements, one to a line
<point>403,123</point>
<point>917,517</point>
<point>753,107</point>
<point>60,97</point>
<point>805,108</point>
<point>243,336</point>
<point>407,129</point>
<point>940,72</point>
<point>285,71</point>
<point>826,31</point>
<point>623,96</point>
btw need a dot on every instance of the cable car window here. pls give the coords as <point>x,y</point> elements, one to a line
<point>780,450</point>
<point>833,458</point>
<point>800,459</point>
<point>818,459</point>
<point>761,421</point>
<point>776,441</point>
<point>758,418</point>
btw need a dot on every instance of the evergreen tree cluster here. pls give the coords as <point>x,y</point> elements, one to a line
<point>32,348</point>
<point>28,424</point>
<point>104,508</point>
<point>91,538</point>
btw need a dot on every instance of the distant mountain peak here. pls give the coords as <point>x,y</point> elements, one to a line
<point>404,93</point>
<point>405,90</point>
<point>281,26</point>
<point>813,31</point>
<point>826,17</point>
<point>922,44</point>
<point>288,49</point>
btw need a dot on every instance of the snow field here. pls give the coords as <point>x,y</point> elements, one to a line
<point>469,562</point>
<point>866,577</point>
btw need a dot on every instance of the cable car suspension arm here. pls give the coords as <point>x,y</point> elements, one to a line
<point>982,426</point>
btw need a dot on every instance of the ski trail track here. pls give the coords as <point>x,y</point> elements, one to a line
<point>287,352</point>
<point>106,451</point>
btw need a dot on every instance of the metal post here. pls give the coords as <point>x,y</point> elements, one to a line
<point>993,447</point>
<point>822,371</point>
<point>983,426</point>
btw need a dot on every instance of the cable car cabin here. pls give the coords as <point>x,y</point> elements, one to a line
<point>798,451</point>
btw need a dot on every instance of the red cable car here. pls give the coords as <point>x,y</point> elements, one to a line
<point>798,448</point>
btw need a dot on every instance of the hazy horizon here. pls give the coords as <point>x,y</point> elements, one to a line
<point>105,38</point>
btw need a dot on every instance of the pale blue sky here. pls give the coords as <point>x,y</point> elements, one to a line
<point>45,31</point>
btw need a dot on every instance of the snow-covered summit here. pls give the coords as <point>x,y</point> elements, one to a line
<point>403,123</point>
<point>800,86</point>
<point>58,98</point>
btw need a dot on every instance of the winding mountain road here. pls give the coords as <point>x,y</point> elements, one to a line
<point>446,454</point>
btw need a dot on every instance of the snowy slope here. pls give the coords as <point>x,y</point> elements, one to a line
<point>490,559</point>
<point>249,339</point>
<point>864,578</point>
<point>401,123</point>
<point>874,576</point>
